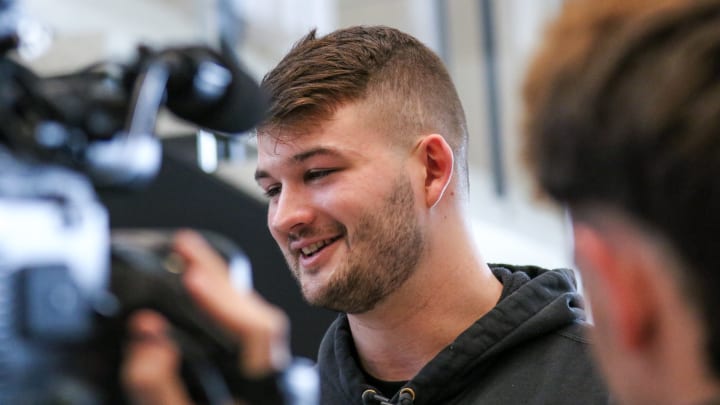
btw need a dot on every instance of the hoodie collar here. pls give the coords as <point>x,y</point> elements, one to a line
<point>534,301</point>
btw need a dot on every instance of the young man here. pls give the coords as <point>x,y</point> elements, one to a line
<point>363,159</point>
<point>623,126</point>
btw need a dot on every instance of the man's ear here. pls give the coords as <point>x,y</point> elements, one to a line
<point>437,160</point>
<point>621,284</point>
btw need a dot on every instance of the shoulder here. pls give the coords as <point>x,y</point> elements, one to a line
<point>559,366</point>
<point>553,368</point>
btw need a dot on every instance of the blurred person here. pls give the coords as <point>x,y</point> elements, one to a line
<point>623,127</point>
<point>363,159</point>
<point>150,372</point>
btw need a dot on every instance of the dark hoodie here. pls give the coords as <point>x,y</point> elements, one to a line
<point>529,349</point>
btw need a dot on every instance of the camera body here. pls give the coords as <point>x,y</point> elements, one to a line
<point>54,272</point>
<point>67,283</point>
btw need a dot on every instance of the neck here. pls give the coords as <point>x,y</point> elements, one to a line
<point>683,369</point>
<point>702,391</point>
<point>446,294</point>
<point>671,366</point>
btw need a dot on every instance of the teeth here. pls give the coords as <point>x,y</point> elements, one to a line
<point>308,250</point>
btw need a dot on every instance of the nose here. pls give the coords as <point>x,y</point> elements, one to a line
<point>292,210</point>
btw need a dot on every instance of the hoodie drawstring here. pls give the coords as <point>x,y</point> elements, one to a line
<point>407,396</point>
<point>371,397</point>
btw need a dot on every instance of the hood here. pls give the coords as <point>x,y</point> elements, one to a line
<point>534,302</point>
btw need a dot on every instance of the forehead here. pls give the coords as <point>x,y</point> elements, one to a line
<point>346,133</point>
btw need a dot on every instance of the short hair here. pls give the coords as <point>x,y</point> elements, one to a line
<point>623,112</point>
<point>409,90</point>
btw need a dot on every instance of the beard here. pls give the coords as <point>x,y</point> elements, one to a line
<point>382,255</point>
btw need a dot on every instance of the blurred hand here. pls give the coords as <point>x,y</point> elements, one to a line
<point>150,373</point>
<point>151,369</point>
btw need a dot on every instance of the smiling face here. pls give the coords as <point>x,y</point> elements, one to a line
<point>342,209</point>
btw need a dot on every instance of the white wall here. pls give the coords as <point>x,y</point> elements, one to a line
<point>512,228</point>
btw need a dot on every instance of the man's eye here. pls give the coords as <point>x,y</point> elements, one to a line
<point>317,174</point>
<point>272,192</point>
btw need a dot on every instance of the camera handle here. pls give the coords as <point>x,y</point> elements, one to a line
<point>135,156</point>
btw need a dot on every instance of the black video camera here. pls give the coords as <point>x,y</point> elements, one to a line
<point>68,284</point>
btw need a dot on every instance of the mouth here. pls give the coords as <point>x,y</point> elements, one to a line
<point>313,249</point>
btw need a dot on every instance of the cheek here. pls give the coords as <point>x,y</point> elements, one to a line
<point>344,202</point>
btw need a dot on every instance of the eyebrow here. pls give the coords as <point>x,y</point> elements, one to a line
<point>301,157</point>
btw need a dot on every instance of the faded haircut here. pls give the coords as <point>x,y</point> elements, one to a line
<point>403,83</point>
